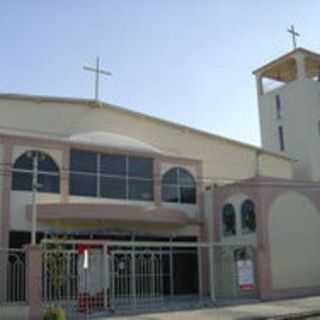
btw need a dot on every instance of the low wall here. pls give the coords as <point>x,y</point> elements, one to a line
<point>14,312</point>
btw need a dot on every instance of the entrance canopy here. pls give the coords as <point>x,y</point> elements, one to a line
<point>111,215</point>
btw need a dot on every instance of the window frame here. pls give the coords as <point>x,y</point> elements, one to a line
<point>179,186</point>
<point>40,172</point>
<point>222,224</point>
<point>100,175</point>
<point>246,231</point>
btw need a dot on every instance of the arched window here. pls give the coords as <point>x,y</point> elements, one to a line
<point>48,173</point>
<point>228,220</point>
<point>248,217</point>
<point>178,186</point>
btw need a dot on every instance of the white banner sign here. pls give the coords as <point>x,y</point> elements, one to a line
<point>245,274</point>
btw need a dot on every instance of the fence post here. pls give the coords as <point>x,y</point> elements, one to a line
<point>3,274</point>
<point>33,281</point>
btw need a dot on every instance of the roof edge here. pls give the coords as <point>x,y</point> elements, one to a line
<point>99,104</point>
<point>284,56</point>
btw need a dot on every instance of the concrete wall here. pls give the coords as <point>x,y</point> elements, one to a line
<point>300,102</point>
<point>221,158</point>
<point>271,166</point>
<point>294,225</point>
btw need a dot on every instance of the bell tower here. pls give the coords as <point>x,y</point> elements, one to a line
<point>288,90</point>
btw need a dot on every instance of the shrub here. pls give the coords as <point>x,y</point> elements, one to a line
<point>54,314</point>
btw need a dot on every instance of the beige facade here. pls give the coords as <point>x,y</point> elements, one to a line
<point>223,159</point>
<point>294,223</point>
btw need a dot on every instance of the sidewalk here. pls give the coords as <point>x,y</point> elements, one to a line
<point>284,309</point>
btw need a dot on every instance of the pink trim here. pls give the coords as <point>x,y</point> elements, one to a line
<point>157,182</point>
<point>112,213</point>
<point>33,281</point>
<point>64,175</point>
<point>6,190</point>
<point>263,191</point>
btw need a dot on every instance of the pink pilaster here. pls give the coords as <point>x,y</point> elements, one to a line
<point>157,182</point>
<point>33,281</point>
<point>5,210</point>
<point>64,174</point>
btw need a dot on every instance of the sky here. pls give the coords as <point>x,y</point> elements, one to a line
<point>187,61</point>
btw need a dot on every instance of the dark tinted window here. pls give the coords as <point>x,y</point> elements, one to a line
<point>170,193</point>
<point>140,190</point>
<point>48,183</point>
<point>22,181</point>
<point>229,220</point>
<point>248,217</point>
<point>83,185</point>
<point>188,195</point>
<point>112,173</point>
<point>171,177</point>
<point>47,164</point>
<point>178,185</point>
<point>113,165</point>
<point>140,167</point>
<point>48,173</point>
<point>113,188</point>
<point>278,106</point>
<point>24,162</point>
<point>185,178</point>
<point>281,138</point>
<point>83,161</point>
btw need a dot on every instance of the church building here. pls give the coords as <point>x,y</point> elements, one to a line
<point>107,173</point>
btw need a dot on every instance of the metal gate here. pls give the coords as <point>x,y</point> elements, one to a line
<point>136,277</point>
<point>144,275</point>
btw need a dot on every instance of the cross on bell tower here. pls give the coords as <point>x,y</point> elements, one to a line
<point>294,35</point>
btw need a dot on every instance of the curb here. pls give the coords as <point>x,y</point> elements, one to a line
<point>293,316</point>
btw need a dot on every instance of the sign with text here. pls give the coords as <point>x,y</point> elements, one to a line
<point>245,274</point>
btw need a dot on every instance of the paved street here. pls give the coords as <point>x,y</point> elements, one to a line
<point>243,312</point>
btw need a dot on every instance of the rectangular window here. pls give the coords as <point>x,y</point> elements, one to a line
<point>83,161</point>
<point>281,138</point>
<point>83,185</point>
<point>114,165</point>
<point>140,167</point>
<point>278,106</point>
<point>114,188</point>
<point>111,176</point>
<point>140,189</point>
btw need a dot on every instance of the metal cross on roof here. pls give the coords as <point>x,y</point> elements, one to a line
<point>97,71</point>
<point>294,35</point>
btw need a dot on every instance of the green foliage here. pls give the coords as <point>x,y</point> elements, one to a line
<point>55,262</point>
<point>54,314</point>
